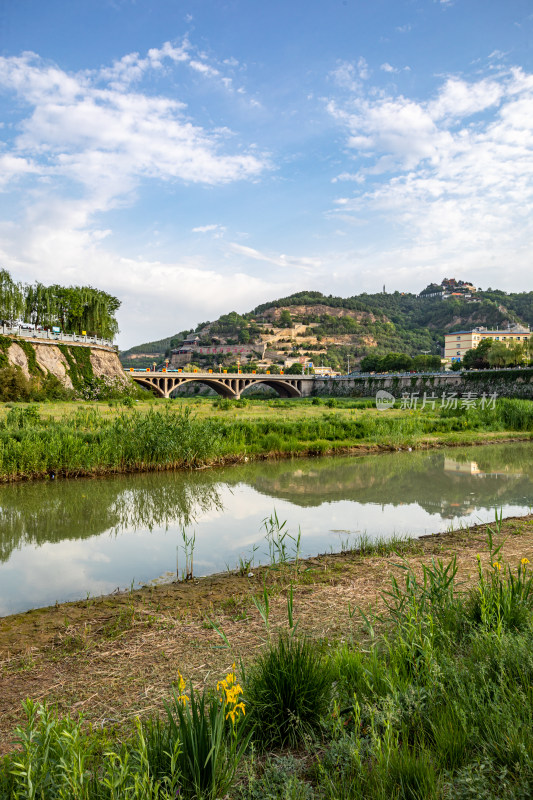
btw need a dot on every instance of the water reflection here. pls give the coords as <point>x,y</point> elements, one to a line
<point>61,540</point>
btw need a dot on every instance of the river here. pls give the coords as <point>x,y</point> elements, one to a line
<point>67,540</point>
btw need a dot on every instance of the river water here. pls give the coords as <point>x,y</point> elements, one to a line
<point>66,540</point>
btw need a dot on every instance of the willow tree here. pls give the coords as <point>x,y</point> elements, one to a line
<point>11,297</point>
<point>72,308</point>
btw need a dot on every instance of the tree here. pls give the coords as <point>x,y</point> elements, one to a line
<point>369,363</point>
<point>295,369</point>
<point>502,356</point>
<point>478,357</point>
<point>72,308</point>
<point>426,363</point>
<point>393,362</point>
<point>285,319</point>
<point>11,297</point>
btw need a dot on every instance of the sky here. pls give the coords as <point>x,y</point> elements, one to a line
<point>194,157</point>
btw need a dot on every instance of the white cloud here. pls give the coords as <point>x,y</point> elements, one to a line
<point>217,229</point>
<point>362,68</point>
<point>13,167</point>
<point>85,143</point>
<point>349,75</point>
<point>308,264</point>
<point>205,69</point>
<point>386,67</point>
<point>461,99</point>
<point>450,177</point>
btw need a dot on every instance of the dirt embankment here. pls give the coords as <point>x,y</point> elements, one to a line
<point>117,657</point>
<point>311,311</point>
<point>37,358</point>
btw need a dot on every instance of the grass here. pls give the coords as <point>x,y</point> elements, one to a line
<point>431,698</point>
<point>91,438</point>
<point>288,691</point>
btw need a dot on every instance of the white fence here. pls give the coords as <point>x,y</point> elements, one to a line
<point>34,333</point>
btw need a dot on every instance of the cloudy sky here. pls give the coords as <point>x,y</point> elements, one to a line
<point>199,156</point>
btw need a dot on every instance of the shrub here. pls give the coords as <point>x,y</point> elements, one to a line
<point>279,780</point>
<point>288,691</point>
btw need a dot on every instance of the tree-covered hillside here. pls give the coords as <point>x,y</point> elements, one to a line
<point>334,330</point>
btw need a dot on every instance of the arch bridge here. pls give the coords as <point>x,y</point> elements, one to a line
<point>225,384</point>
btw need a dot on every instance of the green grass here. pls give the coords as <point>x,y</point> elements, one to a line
<point>288,691</point>
<point>432,699</point>
<point>86,438</point>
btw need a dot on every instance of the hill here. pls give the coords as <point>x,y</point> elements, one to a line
<point>331,330</point>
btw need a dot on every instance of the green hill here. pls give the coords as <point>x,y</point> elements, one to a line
<point>330,330</point>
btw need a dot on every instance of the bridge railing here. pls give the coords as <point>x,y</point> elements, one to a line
<point>213,374</point>
<point>28,332</point>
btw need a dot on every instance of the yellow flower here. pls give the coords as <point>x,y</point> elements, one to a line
<point>233,713</point>
<point>183,699</point>
<point>525,561</point>
<point>181,682</point>
<point>497,565</point>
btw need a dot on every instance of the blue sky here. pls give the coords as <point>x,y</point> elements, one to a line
<point>195,157</point>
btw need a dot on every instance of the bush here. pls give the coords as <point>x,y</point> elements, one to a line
<point>280,780</point>
<point>288,691</point>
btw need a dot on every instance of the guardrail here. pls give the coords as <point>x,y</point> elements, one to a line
<point>33,333</point>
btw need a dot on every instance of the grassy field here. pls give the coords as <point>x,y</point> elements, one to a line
<point>393,671</point>
<point>59,439</point>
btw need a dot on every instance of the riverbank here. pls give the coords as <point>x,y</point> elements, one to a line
<point>71,440</point>
<point>117,657</point>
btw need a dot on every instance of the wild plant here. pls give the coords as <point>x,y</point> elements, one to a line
<point>58,759</point>
<point>279,780</point>
<point>188,551</point>
<point>245,564</point>
<point>283,547</point>
<point>290,609</point>
<point>276,534</point>
<point>263,606</point>
<point>420,613</point>
<point>503,598</point>
<point>220,632</point>
<point>288,691</point>
<point>53,756</point>
<point>209,735</point>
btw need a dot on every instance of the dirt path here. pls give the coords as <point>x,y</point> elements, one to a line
<point>116,657</point>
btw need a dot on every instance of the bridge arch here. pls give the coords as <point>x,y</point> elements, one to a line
<point>230,386</point>
<point>220,388</point>
<point>283,388</point>
<point>152,385</point>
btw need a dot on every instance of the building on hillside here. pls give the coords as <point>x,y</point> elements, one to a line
<point>190,348</point>
<point>457,343</point>
<point>451,286</point>
<point>183,354</point>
